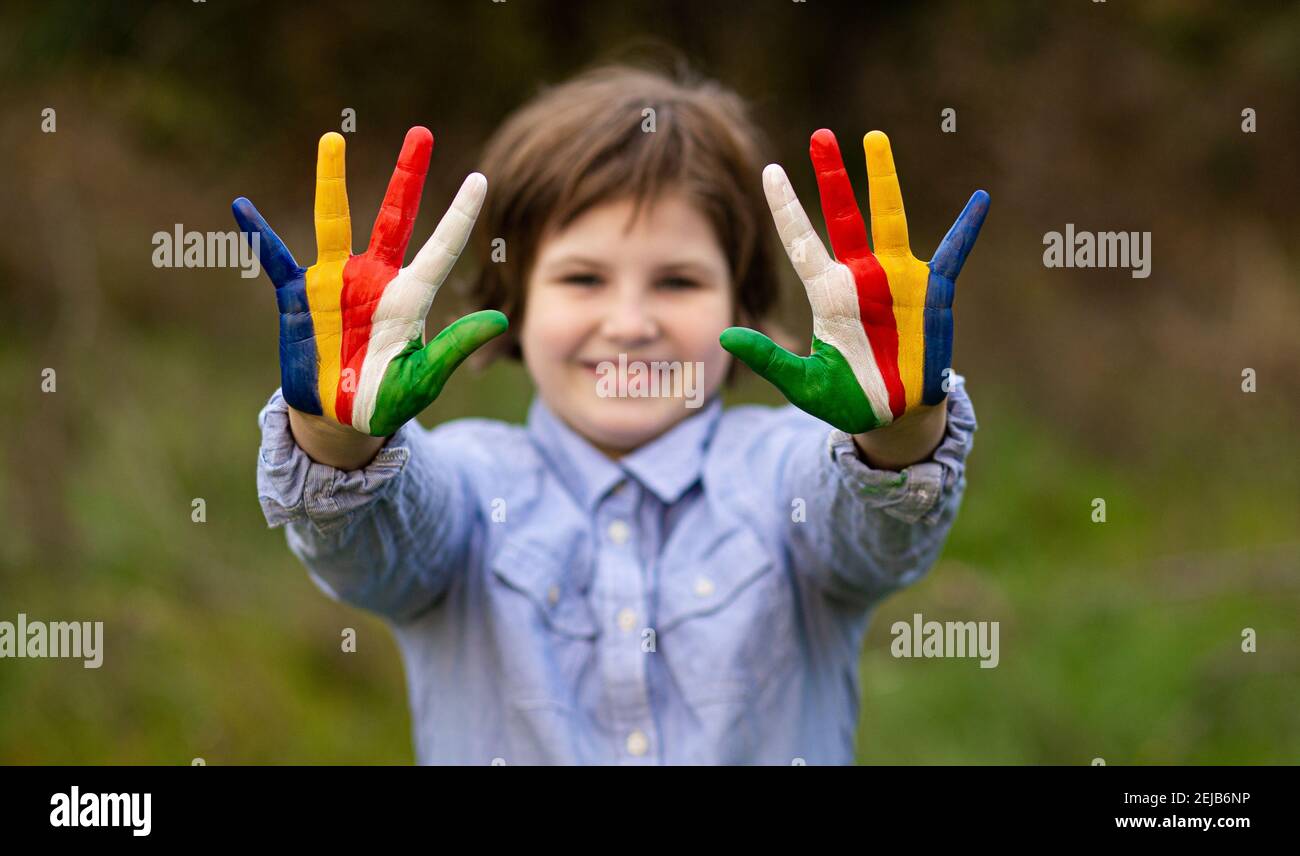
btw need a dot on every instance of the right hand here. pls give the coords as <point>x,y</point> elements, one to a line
<point>352,327</point>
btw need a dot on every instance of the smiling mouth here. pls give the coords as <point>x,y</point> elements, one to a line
<point>594,365</point>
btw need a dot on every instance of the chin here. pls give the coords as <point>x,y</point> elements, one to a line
<point>624,424</point>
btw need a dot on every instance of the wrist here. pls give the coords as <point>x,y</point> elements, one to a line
<point>329,442</point>
<point>907,441</point>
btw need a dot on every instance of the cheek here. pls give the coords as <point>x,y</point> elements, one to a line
<point>552,328</point>
<point>696,325</point>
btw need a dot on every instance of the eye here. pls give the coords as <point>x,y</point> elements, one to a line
<point>580,279</point>
<point>678,283</point>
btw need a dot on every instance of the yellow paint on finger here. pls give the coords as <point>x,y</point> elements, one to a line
<point>908,276</point>
<point>333,219</point>
<point>325,278</point>
<point>324,294</point>
<point>908,279</point>
<point>911,348</point>
<point>888,221</point>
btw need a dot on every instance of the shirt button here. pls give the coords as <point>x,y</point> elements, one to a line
<point>626,619</point>
<point>637,744</point>
<point>618,531</point>
<point>553,595</point>
<point>703,586</point>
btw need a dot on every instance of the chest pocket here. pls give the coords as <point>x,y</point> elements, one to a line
<point>553,585</point>
<point>543,634</point>
<point>725,620</point>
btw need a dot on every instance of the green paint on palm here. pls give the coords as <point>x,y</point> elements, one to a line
<point>416,376</point>
<point>822,384</point>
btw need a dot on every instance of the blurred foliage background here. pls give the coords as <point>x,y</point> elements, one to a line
<point>1119,640</point>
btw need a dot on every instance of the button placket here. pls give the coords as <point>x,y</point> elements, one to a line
<point>619,593</point>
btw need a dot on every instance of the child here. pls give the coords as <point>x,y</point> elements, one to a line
<point>628,578</point>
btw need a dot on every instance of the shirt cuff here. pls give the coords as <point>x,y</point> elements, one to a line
<point>291,486</point>
<point>919,491</point>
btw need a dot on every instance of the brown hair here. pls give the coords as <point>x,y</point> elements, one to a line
<point>584,143</point>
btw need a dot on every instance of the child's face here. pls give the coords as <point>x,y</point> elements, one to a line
<point>657,289</point>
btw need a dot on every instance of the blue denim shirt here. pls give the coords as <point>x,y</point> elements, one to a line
<point>701,601</point>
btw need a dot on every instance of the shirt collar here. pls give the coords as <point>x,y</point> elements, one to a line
<point>668,465</point>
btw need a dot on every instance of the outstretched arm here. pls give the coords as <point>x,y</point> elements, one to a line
<point>380,511</point>
<point>881,496</point>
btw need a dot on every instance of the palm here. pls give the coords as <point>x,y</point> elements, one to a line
<point>352,326</point>
<point>882,321</point>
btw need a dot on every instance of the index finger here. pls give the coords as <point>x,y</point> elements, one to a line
<point>333,221</point>
<point>888,222</point>
<point>807,253</point>
<point>432,263</point>
<point>397,215</point>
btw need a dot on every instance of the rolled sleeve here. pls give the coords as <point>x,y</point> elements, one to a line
<point>920,491</point>
<point>388,537</point>
<point>868,531</point>
<point>291,486</point>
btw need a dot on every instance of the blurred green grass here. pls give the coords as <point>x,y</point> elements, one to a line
<point>1119,640</point>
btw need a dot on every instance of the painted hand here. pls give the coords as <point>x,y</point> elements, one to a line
<point>882,322</point>
<point>352,326</point>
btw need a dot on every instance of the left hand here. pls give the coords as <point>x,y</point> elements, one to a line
<point>882,321</point>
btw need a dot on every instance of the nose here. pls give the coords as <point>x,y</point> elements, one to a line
<point>629,320</point>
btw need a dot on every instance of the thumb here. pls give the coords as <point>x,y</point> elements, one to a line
<point>435,362</point>
<point>784,370</point>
